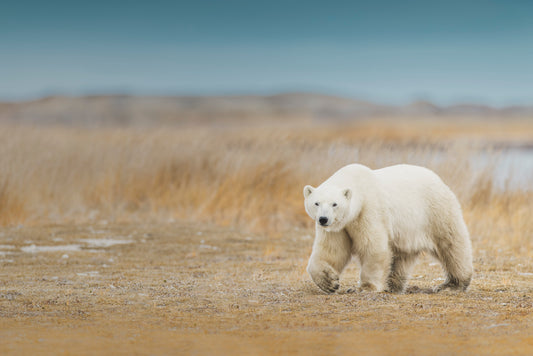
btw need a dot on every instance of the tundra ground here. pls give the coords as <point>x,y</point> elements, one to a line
<point>197,289</point>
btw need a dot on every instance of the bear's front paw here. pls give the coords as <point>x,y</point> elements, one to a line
<point>326,279</point>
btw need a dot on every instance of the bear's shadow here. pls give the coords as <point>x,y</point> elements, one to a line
<point>418,290</point>
<point>314,290</point>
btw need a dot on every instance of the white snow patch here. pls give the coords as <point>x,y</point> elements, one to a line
<point>105,242</point>
<point>496,326</point>
<point>209,247</point>
<point>97,232</point>
<point>88,274</point>
<point>438,279</point>
<point>525,274</point>
<point>6,247</point>
<point>91,244</point>
<point>34,249</point>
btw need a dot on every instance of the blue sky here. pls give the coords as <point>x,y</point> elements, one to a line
<point>385,51</point>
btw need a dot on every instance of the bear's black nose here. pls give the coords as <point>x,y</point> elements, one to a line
<point>323,220</point>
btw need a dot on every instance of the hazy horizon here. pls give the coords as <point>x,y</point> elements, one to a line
<point>385,52</point>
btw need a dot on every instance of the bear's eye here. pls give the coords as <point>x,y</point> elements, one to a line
<point>334,204</point>
<point>317,204</point>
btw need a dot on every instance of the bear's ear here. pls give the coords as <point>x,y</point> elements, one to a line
<point>308,190</point>
<point>347,193</point>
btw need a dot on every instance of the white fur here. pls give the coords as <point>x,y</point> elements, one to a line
<point>385,218</point>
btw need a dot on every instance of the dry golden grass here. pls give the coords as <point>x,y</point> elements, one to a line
<point>221,240</point>
<point>246,177</point>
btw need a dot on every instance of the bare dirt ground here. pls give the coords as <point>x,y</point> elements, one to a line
<point>190,289</point>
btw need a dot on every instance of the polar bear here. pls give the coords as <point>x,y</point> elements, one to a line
<point>386,218</point>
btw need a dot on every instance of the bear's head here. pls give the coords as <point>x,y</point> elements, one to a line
<point>331,207</point>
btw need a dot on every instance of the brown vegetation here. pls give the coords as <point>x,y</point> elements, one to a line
<point>248,177</point>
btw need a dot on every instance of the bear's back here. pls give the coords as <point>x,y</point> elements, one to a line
<point>404,180</point>
<point>418,201</point>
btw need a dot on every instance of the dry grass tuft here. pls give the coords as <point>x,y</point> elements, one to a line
<point>11,208</point>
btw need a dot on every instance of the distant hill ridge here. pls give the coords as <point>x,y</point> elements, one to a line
<point>123,110</point>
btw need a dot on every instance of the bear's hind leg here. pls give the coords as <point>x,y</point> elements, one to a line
<point>456,259</point>
<point>401,266</point>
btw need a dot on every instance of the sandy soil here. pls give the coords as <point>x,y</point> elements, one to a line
<point>180,289</point>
